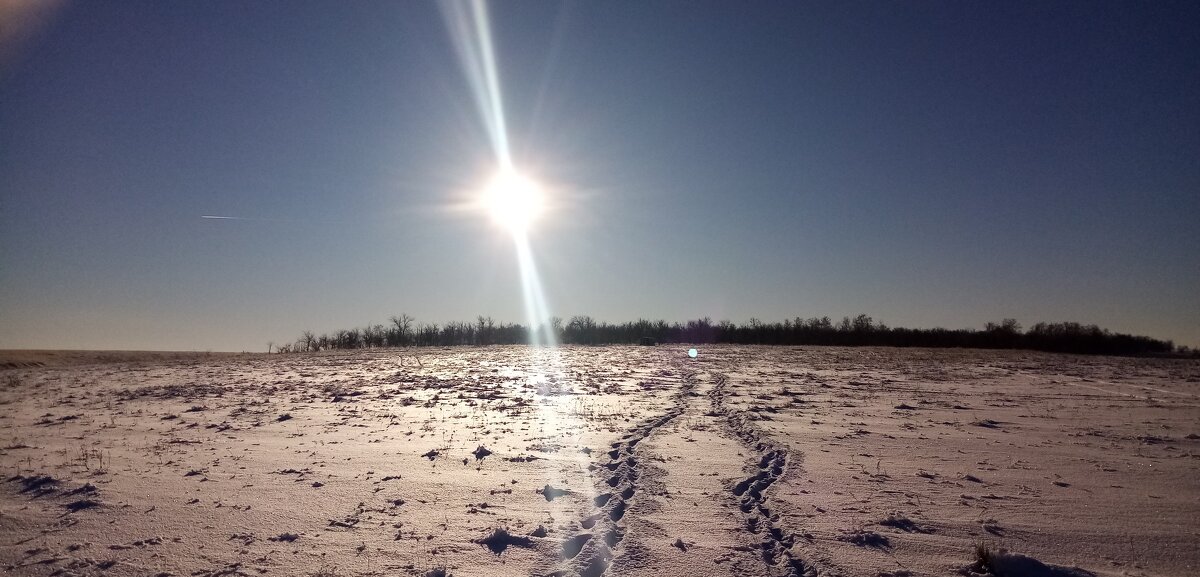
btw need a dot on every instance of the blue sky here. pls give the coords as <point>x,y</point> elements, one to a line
<point>930,164</point>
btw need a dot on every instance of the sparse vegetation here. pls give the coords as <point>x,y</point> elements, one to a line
<point>1002,563</point>
<point>983,558</point>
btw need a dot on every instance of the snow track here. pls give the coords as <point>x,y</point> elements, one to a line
<point>768,468</point>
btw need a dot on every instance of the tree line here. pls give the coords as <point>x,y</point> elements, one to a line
<point>862,330</point>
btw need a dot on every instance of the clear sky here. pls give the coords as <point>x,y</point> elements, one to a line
<point>928,163</point>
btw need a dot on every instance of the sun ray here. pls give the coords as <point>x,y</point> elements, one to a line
<point>515,201</point>
<point>471,34</point>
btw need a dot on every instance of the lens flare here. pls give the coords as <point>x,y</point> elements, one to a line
<point>471,33</point>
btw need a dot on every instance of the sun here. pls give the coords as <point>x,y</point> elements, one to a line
<point>514,201</point>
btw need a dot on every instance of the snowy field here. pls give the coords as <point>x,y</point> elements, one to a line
<point>620,461</point>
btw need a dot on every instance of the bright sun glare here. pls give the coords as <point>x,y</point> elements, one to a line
<point>514,201</point>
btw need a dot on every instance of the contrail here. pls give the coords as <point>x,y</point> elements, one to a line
<point>248,218</point>
<point>278,220</point>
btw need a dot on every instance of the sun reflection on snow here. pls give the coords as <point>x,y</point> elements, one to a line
<point>514,201</point>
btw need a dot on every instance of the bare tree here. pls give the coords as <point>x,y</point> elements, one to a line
<point>402,330</point>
